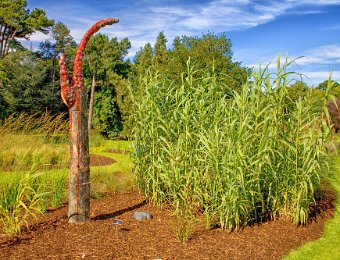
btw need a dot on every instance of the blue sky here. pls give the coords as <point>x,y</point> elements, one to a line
<point>259,30</point>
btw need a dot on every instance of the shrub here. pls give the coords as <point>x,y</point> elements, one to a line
<point>334,111</point>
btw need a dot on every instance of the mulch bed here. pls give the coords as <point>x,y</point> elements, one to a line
<point>53,238</point>
<point>99,160</point>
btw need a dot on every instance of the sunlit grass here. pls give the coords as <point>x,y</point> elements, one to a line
<point>326,247</point>
<point>115,177</point>
<point>33,140</point>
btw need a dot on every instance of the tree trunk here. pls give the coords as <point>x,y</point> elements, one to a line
<point>91,100</point>
<point>79,179</point>
<point>9,41</point>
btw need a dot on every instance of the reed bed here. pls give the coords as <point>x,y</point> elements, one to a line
<point>237,156</point>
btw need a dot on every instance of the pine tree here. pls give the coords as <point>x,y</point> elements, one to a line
<point>160,52</point>
<point>17,22</point>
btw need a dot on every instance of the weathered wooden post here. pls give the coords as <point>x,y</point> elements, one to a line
<point>74,96</point>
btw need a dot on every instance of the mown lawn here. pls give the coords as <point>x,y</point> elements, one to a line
<point>328,246</point>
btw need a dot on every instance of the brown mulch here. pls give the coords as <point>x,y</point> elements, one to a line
<point>95,160</point>
<point>54,238</point>
<point>99,160</point>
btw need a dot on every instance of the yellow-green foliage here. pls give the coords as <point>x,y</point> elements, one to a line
<point>238,156</point>
<point>19,201</point>
<point>30,140</point>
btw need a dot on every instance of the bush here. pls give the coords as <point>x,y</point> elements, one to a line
<point>334,112</point>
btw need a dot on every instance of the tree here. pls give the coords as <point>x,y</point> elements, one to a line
<point>60,41</point>
<point>103,62</point>
<point>206,52</point>
<point>160,52</point>
<point>335,87</point>
<point>143,60</point>
<point>27,87</point>
<point>106,116</point>
<point>17,22</point>
<point>298,90</point>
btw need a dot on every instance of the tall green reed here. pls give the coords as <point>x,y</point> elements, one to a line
<point>238,156</point>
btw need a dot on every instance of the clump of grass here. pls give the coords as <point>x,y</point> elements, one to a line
<point>238,156</point>
<point>19,202</point>
<point>184,226</point>
<point>28,140</point>
<point>45,125</point>
<point>58,190</point>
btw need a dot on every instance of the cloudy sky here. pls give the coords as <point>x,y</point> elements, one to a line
<point>259,30</point>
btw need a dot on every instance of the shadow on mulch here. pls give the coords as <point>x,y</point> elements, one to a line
<point>119,212</point>
<point>324,206</point>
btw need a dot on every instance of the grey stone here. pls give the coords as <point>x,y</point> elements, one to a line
<point>141,215</point>
<point>117,222</point>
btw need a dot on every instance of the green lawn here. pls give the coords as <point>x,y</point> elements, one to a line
<point>328,246</point>
<point>114,177</point>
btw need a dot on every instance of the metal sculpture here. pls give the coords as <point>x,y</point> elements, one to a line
<point>74,96</point>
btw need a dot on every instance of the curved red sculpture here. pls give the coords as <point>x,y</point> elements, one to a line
<point>74,96</point>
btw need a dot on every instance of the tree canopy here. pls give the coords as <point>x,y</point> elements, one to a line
<point>18,22</point>
<point>104,66</point>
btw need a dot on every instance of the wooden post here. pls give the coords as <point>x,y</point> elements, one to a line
<point>74,96</point>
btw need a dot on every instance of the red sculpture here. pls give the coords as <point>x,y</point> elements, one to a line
<point>74,96</point>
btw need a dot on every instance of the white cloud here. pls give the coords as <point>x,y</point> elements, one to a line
<point>141,21</point>
<point>316,65</point>
<point>328,54</point>
<point>39,37</point>
<point>314,78</point>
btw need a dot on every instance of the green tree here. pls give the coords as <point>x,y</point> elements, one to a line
<point>143,60</point>
<point>106,116</point>
<point>104,66</point>
<point>27,87</point>
<point>335,91</point>
<point>206,52</point>
<point>160,52</point>
<point>60,40</point>
<point>297,90</point>
<point>17,22</point>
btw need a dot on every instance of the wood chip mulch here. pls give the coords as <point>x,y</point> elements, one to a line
<point>53,238</point>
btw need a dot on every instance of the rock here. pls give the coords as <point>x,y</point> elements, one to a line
<point>117,222</point>
<point>141,215</point>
